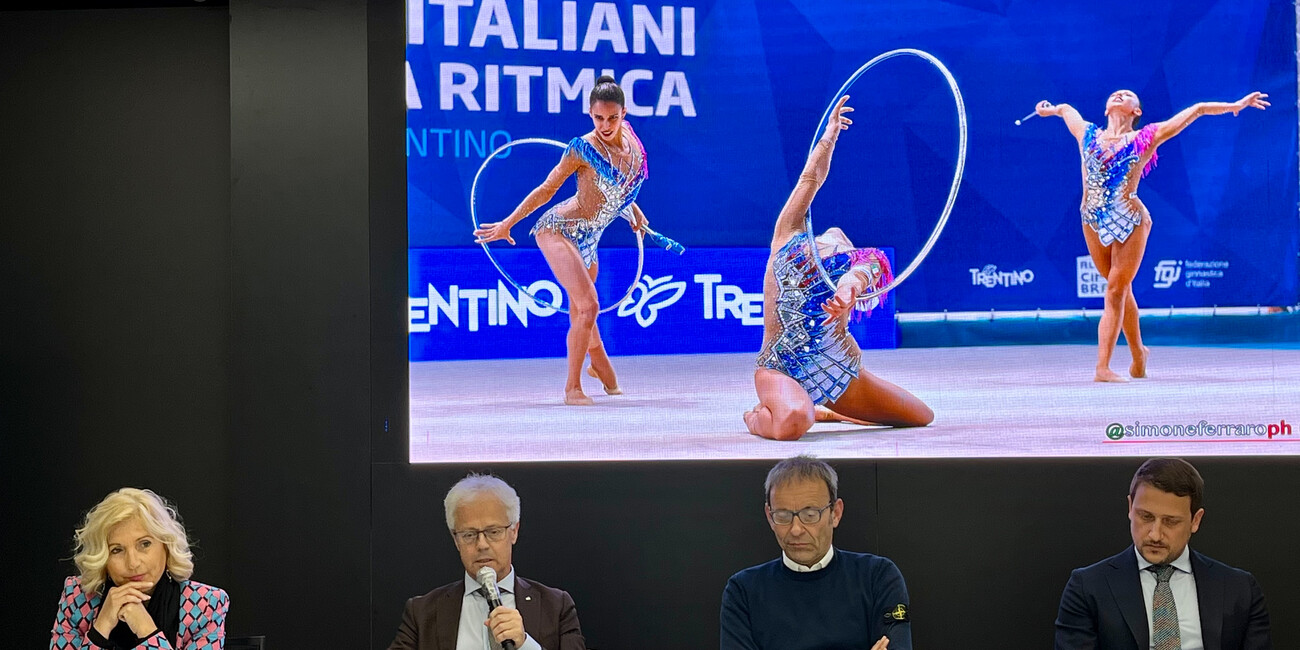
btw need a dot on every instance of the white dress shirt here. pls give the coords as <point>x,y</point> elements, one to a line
<point>472,634</point>
<point>1183,585</point>
<point>821,564</point>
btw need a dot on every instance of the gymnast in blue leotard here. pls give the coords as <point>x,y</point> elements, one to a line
<point>617,192</point>
<point>610,164</point>
<point>1115,222</point>
<point>810,367</point>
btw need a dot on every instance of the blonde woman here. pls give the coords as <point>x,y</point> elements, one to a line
<point>134,590</point>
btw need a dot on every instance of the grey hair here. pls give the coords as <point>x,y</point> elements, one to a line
<point>476,485</point>
<point>802,467</point>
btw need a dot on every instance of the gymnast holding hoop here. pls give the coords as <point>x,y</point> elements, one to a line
<point>1115,222</point>
<point>809,368</point>
<point>611,165</point>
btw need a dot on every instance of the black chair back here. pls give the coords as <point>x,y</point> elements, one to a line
<point>246,643</point>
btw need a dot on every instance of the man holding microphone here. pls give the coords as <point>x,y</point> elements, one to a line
<point>490,608</point>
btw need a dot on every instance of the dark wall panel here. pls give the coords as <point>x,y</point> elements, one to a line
<point>114,282</point>
<point>389,405</point>
<point>300,507</point>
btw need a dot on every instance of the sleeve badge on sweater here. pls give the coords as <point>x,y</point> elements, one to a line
<point>898,614</point>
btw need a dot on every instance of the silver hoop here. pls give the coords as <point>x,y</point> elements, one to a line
<point>956,177</point>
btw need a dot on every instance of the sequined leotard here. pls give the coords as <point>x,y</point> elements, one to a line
<point>822,358</point>
<point>1110,204</point>
<point>605,193</point>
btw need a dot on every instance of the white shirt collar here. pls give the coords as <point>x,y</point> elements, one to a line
<point>506,585</point>
<point>1183,563</point>
<point>821,564</point>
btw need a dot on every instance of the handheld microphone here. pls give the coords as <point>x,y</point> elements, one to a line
<point>487,576</point>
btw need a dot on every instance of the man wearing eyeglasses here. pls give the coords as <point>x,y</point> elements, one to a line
<point>815,595</point>
<point>483,517</point>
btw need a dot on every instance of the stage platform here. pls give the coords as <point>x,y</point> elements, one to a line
<point>1009,401</point>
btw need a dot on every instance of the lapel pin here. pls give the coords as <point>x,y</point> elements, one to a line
<point>528,597</point>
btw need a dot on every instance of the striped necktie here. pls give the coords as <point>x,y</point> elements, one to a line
<point>1164,614</point>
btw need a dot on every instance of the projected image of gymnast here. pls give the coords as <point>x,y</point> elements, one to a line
<point>1115,222</point>
<point>610,163</point>
<point>809,368</point>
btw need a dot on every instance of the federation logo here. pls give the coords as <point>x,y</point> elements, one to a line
<point>646,307</point>
<point>1167,273</point>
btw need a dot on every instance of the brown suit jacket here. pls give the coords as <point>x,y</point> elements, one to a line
<point>431,621</point>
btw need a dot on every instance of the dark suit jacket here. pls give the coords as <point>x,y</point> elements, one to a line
<point>430,622</point>
<point>1103,609</point>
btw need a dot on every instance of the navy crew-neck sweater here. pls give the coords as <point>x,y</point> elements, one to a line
<point>850,603</point>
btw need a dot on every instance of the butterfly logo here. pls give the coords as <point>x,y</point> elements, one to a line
<point>649,288</point>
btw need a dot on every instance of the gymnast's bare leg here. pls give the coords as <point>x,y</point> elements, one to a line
<point>872,400</point>
<point>601,368</point>
<point>567,265</point>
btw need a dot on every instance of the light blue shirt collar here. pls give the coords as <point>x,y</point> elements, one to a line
<point>1183,563</point>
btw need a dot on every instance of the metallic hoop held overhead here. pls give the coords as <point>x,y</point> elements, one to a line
<point>473,215</point>
<point>956,177</point>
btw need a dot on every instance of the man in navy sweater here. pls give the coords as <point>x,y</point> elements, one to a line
<point>814,596</point>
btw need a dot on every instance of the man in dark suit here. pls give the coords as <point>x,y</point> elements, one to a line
<point>1158,594</point>
<point>483,516</point>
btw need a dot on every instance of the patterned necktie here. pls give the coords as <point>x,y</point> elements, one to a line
<point>489,641</point>
<point>1164,614</point>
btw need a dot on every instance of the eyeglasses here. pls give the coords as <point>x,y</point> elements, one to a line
<point>807,515</point>
<point>467,537</point>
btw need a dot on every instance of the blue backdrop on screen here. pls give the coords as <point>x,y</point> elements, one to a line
<point>711,301</point>
<point>725,96</point>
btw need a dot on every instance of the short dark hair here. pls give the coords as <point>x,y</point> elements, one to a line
<point>802,467</point>
<point>1173,475</point>
<point>605,90</point>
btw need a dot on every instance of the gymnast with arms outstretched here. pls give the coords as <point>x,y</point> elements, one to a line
<point>809,368</point>
<point>1115,222</point>
<point>610,163</point>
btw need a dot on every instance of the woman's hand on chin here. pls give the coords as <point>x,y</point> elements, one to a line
<point>138,619</point>
<point>117,598</point>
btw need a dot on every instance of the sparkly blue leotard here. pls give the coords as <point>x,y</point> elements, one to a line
<point>1110,205</point>
<point>822,358</point>
<point>617,189</point>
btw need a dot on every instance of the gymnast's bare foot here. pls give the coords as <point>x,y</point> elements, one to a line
<point>575,397</point>
<point>1109,376</point>
<point>1138,370</point>
<point>609,390</point>
<point>823,414</point>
